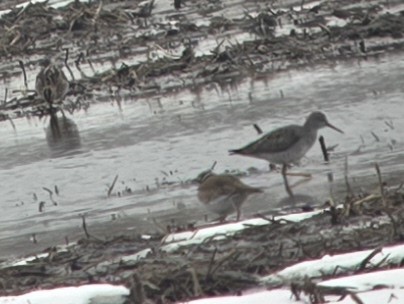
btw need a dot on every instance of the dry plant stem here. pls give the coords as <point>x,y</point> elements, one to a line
<point>362,266</point>
<point>24,73</point>
<point>375,136</point>
<point>50,195</point>
<point>379,177</point>
<point>257,128</point>
<point>112,185</point>
<point>136,290</point>
<point>348,186</point>
<point>84,225</point>
<point>223,260</point>
<point>5,96</point>
<point>355,298</point>
<point>196,285</point>
<point>213,165</point>
<point>212,260</point>
<point>67,65</point>
<point>324,149</point>
<point>12,123</point>
<point>299,174</point>
<point>368,198</point>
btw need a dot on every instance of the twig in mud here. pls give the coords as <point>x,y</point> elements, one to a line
<point>177,4</point>
<point>393,222</point>
<point>362,265</point>
<point>5,96</point>
<point>77,63</point>
<point>362,46</point>
<point>381,262</point>
<point>90,63</point>
<point>41,206</point>
<point>213,166</point>
<point>56,190</point>
<point>368,198</point>
<point>112,186</point>
<point>258,129</point>
<point>84,225</point>
<point>212,260</point>
<point>348,186</point>
<point>97,14</point>
<point>324,149</point>
<point>381,186</point>
<point>161,228</point>
<point>50,195</point>
<point>355,298</point>
<point>224,259</point>
<point>24,73</point>
<point>375,136</point>
<point>250,97</point>
<point>388,123</point>
<point>67,65</point>
<point>136,289</point>
<point>197,286</point>
<point>12,123</point>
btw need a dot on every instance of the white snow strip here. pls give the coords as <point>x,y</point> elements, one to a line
<point>33,258</point>
<point>336,264</point>
<point>25,261</point>
<point>284,296</point>
<point>221,231</point>
<point>368,281</point>
<point>390,296</point>
<point>278,296</point>
<point>86,294</point>
<point>136,256</point>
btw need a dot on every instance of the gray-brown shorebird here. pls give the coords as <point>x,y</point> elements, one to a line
<point>287,145</point>
<point>51,83</point>
<point>223,194</point>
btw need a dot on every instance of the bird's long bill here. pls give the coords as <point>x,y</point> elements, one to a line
<point>333,127</point>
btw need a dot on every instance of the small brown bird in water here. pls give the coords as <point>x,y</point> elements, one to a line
<point>51,83</point>
<point>223,194</point>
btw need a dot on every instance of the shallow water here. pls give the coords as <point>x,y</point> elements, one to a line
<point>174,138</point>
<point>157,145</point>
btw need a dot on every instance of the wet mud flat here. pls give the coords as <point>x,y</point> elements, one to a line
<point>153,51</point>
<point>156,272</point>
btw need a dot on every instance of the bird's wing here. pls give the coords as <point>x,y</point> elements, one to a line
<point>276,141</point>
<point>216,186</point>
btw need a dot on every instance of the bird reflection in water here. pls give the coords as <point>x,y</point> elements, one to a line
<point>62,134</point>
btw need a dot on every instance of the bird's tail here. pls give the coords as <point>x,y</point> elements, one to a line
<point>235,151</point>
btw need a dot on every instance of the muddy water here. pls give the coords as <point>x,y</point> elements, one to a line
<point>157,145</point>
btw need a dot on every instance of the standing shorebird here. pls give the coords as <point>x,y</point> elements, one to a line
<point>223,194</point>
<point>51,83</point>
<point>287,145</point>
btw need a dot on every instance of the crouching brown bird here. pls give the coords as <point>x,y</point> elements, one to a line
<point>223,194</point>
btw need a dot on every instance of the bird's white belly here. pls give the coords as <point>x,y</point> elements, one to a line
<point>224,205</point>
